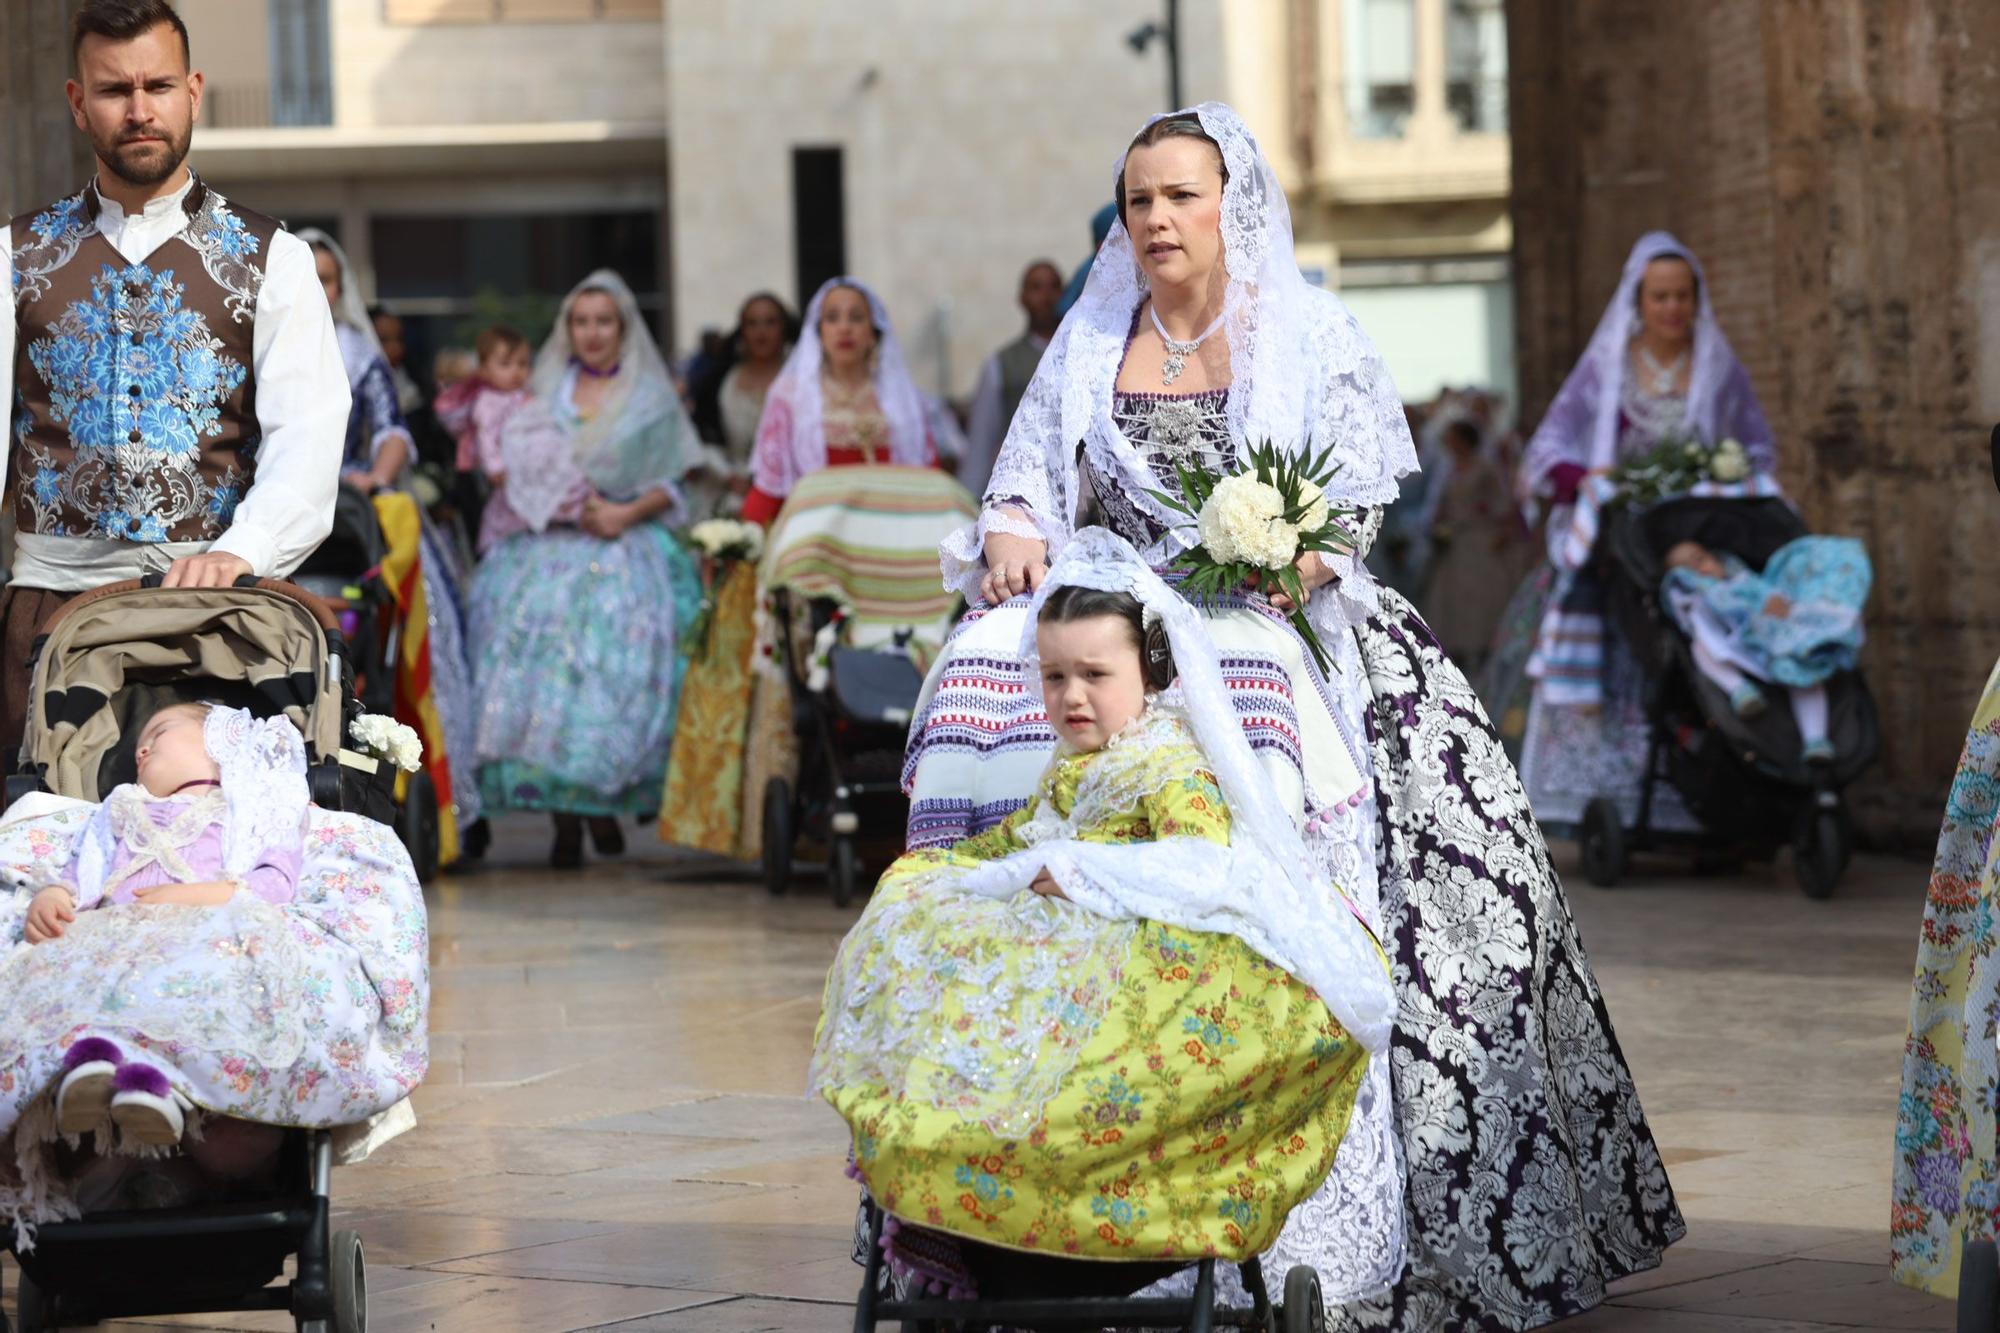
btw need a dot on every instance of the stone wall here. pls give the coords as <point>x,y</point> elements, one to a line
<point>1831,163</point>
<point>43,156</point>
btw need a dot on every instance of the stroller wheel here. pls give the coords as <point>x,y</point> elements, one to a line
<point>844,871</point>
<point>1602,839</point>
<point>417,826</point>
<point>349,1280</point>
<point>1819,850</point>
<point>33,1311</point>
<point>1305,1309</point>
<point>778,832</point>
<point>1979,1288</point>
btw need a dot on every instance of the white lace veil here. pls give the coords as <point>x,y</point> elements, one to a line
<point>790,441</point>
<point>1290,914</point>
<point>1302,369</point>
<point>350,312</point>
<point>640,438</point>
<point>1581,425</point>
<point>263,763</point>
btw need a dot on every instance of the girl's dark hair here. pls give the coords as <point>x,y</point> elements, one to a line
<point>1072,602</point>
<point>1171,127</point>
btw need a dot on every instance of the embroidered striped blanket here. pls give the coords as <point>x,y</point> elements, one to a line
<point>867,537</point>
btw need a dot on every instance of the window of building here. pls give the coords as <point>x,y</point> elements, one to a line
<point>819,217</point>
<point>418,12</point>
<point>301,63</point>
<point>1475,36</point>
<point>1380,38</point>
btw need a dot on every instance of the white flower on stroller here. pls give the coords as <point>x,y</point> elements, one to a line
<point>1730,463</point>
<point>386,738</point>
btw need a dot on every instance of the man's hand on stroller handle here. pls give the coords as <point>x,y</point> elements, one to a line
<point>212,569</point>
<point>49,914</point>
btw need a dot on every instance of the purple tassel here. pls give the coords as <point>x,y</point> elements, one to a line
<point>135,1077</point>
<point>89,1049</point>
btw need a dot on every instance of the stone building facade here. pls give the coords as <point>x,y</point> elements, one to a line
<point>1831,163</point>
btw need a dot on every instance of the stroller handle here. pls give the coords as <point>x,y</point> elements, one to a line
<point>320,610</point>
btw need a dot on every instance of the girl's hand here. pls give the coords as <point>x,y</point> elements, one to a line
<point>208,893</point>
<point>1045,884</point>
<point>1314,573</point>
<point>1014,565</point>
<point>606,518</point>
<point>49,914</point>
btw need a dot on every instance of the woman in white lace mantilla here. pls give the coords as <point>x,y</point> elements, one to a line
<point>1195,337</point>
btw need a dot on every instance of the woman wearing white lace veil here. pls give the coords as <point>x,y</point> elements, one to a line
<point>576,621</point>
<point>380,450</point>
<point>1657,367</point>
<point>1534,1180</point>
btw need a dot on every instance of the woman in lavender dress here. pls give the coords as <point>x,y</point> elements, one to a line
<point>1499,1171</point>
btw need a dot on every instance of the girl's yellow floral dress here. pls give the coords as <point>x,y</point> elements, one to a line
<point>1023,1073</point>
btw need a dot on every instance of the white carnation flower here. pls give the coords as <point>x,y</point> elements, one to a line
<point>1317,511</point>
<point>389,739</point>
<point>1244,520</point>
<point>1729,466</point>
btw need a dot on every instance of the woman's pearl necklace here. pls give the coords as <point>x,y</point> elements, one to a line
<point>1178,352</point>
<point>1664,377</point>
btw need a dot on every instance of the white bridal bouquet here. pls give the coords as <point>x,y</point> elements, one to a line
<point>387,739</point>
<point>727,539</point>
<point>723,541</point>
<point>1255,524</point>
<point>1676,466</point>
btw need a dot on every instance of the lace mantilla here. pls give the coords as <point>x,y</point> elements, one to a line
<point>263,763</point>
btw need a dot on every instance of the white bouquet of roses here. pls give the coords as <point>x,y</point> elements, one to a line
<point>1677,465</point>
<point>1254,526</point>
<point>723,541</point>
<point>727,539</point>
<point>387,739</point>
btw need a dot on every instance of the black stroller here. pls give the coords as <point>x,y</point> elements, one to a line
<point>103,664</point>
<point>1744,780</point>
<point>852,718</point>
<point>1040,1292</point>
<point>346,573</point>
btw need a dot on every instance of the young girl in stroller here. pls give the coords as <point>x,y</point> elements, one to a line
<point>1796,623</point>
<point>1106,1028</point>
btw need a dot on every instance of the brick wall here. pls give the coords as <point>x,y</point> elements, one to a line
<point>1831,163</point>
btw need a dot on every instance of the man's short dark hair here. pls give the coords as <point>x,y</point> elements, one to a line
<point>123,20</point>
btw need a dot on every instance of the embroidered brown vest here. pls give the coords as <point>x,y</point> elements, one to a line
<point>134,414</point>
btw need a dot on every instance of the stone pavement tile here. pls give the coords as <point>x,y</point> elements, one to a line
<point>547,1104</point>
<point>412,1240</point>
<point>1688,1262</point>
<point>1615,1318</point>
<point>615,1195</point>
<point>744,1258</point>
<point>733,1117</point>
<point>745,1316</point>
<point>1853,1294</point>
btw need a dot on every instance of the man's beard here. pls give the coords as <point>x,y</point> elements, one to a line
<point>146,163</point>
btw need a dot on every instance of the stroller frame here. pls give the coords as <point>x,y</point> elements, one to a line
<point>68,1277</point>
<point>826,802</point>
<point>1303,1310</point>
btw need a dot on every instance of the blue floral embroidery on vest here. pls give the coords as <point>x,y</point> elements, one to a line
<point>227,249</point>
<point>55,234</point>
<point>137,379</point>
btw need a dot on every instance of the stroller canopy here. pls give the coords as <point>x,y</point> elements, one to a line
<point>111,657</point>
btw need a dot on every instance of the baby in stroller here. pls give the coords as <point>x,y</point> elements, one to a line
<point>219,808</point>
<point>1042,1037</point>
<point>1796,624</point>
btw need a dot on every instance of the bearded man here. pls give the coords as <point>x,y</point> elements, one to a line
<point>176,398</point>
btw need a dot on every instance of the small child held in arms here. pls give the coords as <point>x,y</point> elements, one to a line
<point>1037,999</point>
<point>1795,624</point>
<point>505,433</point>
<point>218,812</point>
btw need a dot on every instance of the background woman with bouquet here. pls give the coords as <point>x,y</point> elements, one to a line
<point>1196,346</point>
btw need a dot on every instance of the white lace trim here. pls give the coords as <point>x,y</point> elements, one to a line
<point>263,763</point>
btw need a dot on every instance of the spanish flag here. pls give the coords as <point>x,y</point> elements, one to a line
<point>416,704</point>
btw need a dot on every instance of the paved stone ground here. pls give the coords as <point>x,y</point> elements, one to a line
<point>613,1132</point>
